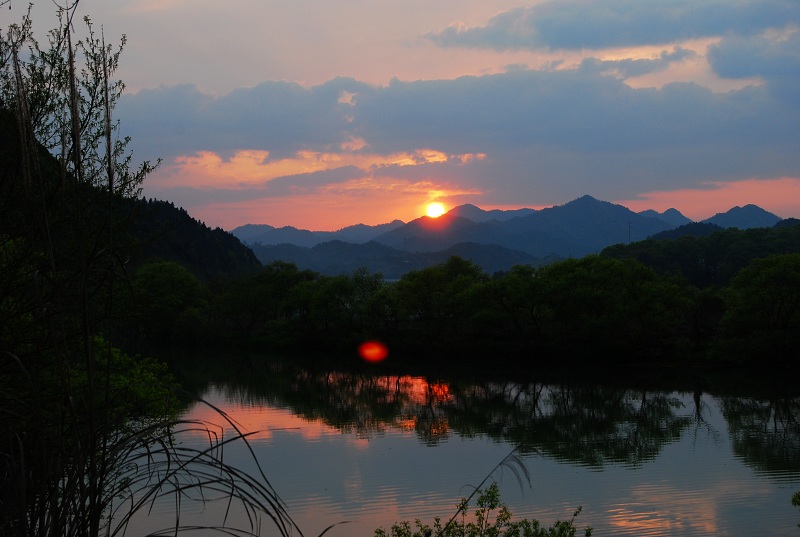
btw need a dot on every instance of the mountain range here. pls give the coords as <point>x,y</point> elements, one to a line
<point>495,240</point>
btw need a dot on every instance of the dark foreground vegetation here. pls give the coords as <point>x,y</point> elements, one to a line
<point>92,277</point>
<point>90,433</point>
<point>728,300</point>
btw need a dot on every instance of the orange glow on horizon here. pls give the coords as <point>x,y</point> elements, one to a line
<point>260,189</point>
<point>778,196</point>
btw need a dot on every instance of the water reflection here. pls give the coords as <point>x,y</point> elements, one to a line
<point>589,425</point>
<point>765,433</point>
<point>641,462</point>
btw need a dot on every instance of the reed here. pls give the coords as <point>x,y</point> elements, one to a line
<point>90,438</point>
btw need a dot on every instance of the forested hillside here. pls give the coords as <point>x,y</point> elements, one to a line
<point>596,311</point>
<point>709,259</point>
<point>168,233</point>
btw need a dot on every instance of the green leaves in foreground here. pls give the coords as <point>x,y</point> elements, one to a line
<point>796,500</point>
<point>490,519</point>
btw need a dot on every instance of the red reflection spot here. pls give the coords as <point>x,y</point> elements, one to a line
<point>373,351</point>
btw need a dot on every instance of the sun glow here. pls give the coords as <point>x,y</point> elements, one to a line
<point>373,351</point>
<point>434,210</point>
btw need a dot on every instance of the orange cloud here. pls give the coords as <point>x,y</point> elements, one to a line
<point>374,197</point>
<point>248,167</point>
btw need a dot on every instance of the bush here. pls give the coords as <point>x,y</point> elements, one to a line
<point>490,519</point>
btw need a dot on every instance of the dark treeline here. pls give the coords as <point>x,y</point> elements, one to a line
<point>732,298</point>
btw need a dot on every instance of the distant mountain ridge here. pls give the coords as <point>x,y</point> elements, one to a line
<point>337,257</point>
<point>266,234</point>
<point>524,236</point>
<point>745,217</point>
<point>670,216</point>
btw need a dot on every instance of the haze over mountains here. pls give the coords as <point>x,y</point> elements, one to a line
<point>495,240</point>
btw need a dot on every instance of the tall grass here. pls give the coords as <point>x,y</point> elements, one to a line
<point>58,478</point>
<point>89,437</point>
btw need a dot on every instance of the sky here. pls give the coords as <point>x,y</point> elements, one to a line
<point>321,114</point>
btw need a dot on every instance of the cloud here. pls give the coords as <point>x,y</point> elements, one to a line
<point>532,137</point>
<point>553,134</point>
<point>773,57</point>
<point>572,110</point>
<point>580,24</point>
<point>629,67</point>
<point>280,117</point>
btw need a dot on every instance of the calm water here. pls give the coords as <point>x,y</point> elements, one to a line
<point>375,450</point>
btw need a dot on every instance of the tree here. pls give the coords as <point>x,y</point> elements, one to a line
<point>763,312</point>
<point>62,414</point>
<point>436,303</point>
<point>87,434</point>
<point>620,309</point>
<point>164,294</point>
<point>68,108</point>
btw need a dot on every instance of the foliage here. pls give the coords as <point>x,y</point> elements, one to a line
<point>88,433</point>
<point>714,259</point>
<point>763,312</point>
<point>166,303</point>
<point>796,500</point>
<point>163,232</point>
<point>69,432</point>
<point>526,317</point>
<point>69,108</point>
<point>491,518</point>
<point>620,307</point>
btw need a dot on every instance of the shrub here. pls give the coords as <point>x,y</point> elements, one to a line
<point>491,518</point>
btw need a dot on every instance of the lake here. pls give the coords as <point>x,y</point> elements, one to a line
<point>373,449</point>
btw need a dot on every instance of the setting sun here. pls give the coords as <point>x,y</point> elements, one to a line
<point>435,210</point>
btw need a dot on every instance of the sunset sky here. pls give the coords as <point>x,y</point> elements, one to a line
<point>321,114</point>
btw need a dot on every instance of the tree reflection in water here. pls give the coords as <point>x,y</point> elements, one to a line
<point>585,424</point>
<point>613,428</point>
<point>765,433</point>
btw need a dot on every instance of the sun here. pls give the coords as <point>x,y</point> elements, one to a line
<point>435,210</point>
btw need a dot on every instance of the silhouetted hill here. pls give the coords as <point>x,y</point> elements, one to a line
<point>577,228</point>
<point>338,257</point>
<point>746,217</point>
<point>580,227</point>
<point>265,234</point>
<point>476,214</point>
<point>361,233</point>
<point>713,259</point>
<point>250,233</point>
<point>695,229</point>
<point>672,217</point>
<point>139,230</point>
<point>787,222</point>
<point>168,233</point>
<point>583,226</point>
<point>428,234</point>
